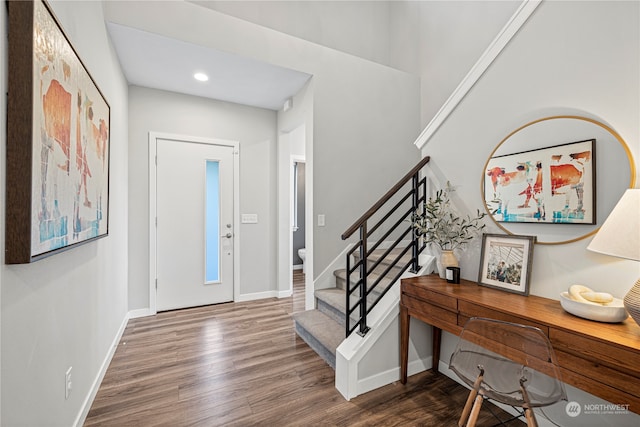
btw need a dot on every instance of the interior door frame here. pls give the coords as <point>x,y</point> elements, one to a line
<point>153,259</point>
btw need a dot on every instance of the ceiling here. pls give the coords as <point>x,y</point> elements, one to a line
<point>159,62</point>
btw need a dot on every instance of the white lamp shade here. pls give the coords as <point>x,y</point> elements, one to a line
<point>619,236</point>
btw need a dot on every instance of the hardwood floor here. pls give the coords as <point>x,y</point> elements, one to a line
<point>242,364</point>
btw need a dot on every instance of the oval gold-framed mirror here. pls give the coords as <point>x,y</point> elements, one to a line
<point>525,191</point>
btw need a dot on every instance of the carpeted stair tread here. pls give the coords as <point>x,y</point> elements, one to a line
<point>323,329</point>
<point>341,279</point>
<point>373,275</point>
<point>321,332</point>
<point>332,303</point>
<point>375,255</point>
<point>335,297</point>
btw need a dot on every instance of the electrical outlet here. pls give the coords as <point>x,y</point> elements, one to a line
<point>67,383</point>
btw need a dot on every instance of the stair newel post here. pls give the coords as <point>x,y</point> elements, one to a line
<point>414,237</point>
<point>363,280</point>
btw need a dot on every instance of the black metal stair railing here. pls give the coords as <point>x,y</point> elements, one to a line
<point>396,216</point>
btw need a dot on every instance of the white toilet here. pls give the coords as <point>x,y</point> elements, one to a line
<point>302,253</point>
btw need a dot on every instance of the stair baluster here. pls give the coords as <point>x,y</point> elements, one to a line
<point>417,194</point>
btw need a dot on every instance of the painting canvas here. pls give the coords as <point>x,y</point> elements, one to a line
<point>548,185</point>
<point>505,262</point>
<point>58,140</point>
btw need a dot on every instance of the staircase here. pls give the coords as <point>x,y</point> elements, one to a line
<point>323,329</point>
<point>366,298</point>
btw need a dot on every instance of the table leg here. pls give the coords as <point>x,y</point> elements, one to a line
<point>436,339</point>
<point>404,343</point>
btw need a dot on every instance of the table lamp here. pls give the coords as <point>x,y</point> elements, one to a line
<point>619,236</point>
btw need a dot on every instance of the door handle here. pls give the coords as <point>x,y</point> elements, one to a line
<point>228,235</point>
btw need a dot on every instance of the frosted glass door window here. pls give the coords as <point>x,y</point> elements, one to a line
<point>212,219</point>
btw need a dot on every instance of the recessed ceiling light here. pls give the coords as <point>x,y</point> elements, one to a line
<point>202,77</point>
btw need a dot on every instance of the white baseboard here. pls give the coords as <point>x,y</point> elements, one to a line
<point>382,379</point>
<point>354,349</point>
<point>258,295</point>
<point>141,312</point>
<point>297,266</point>
<point>285,294</point>
<point>86,406</point>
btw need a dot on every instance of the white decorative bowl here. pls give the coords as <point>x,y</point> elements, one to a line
<point>613,312</point>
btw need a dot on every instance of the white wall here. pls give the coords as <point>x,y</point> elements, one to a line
<point>551,66</point>
<point>360,28</point>
<point>452,35</point>
<point>365,114</point>
<point>427,38</point>
<point>66,310</point>
<point>570,57</point>
<point>363,120</point>
<point>300,117</point>
<point>153,110</point>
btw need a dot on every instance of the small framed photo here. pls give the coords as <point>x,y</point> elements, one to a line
<point>505,262</point>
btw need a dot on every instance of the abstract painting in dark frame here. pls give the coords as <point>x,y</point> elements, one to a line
<point>554,185</point>
<point>58,141</point>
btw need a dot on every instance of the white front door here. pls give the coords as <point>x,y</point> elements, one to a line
<point>195,229</point>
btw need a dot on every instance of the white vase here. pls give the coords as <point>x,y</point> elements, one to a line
<point>447,259</point>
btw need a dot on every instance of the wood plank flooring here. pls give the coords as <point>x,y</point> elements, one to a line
<point>242,364</point>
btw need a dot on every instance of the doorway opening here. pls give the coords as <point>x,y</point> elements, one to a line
<point>298,226</point>
<point>295,198</point>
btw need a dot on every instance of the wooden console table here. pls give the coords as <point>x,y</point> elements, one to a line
<point>600,358</point>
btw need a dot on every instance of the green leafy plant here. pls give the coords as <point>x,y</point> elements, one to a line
<point>438,224</point>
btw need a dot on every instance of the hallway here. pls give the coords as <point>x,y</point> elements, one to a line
<point>242,364</point>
